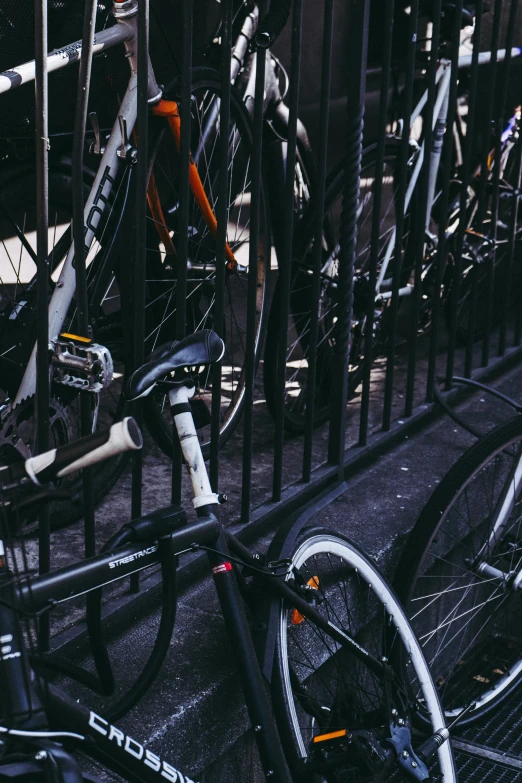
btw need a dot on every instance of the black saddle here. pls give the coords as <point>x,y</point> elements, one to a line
<point>203,347</point>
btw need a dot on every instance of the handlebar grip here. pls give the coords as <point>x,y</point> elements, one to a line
<point>272,24</point>
<point>51,465</point>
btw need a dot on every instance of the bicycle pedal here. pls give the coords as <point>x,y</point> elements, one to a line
<point>81,364</point>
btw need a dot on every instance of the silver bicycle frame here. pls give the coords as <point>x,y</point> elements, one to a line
<point>440,114</point>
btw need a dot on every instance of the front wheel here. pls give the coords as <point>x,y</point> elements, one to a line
<point>332,711</point>
<point>459,575</point>
<point>303,299</point>
<point>202,286</point>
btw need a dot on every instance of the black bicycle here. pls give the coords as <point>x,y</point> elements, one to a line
<point>352,695</point>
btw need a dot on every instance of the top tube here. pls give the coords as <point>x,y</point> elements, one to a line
<point>485,57</point>
<point>61,58</point>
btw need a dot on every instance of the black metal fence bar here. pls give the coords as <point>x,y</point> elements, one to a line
<point>400,221</point>
<point>504,277</point>
<point>486,184</point>
<point>392,327</point>
<point>184,188</point>
<point>255,213</point>
<point>432,143</point>
<point>182,246</point>
<point>442,246</point>
<point>466,175</point>
<point>42,272</point>
<point>357,64</point>
<point>285,262</point>
<point>326,67</point>
<point>82,303</point>
<point>221,238</point>
<point>376,217</point>
<point>139,271</point>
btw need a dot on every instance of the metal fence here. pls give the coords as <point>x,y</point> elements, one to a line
<point>348,280</point>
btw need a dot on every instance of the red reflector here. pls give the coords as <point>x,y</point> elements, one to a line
<point>222,568</point>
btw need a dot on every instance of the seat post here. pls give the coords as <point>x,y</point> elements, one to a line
<point>190,446</point>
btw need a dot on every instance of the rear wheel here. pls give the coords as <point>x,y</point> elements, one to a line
<point>459,575</point>
<point>321,688</point>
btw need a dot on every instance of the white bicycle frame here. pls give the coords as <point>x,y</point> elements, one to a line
<point>124,31</point>
<point>440,114</point>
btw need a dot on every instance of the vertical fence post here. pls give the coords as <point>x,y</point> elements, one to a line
<point>400,220</point>
<point>184,207</point>
<point>42,273</point>
<point>82,304</point>
<point>442,248</point>
<point>432,143</point>
<point>507,276</point>
<point>140,257</point>
<point>376,217</point>
<point>492,120</point>
<point>465,179</point>
<point>221,238</point>
<point>255,206</point>
<point>285,262</point>
<point>324,110</point>
<point>357,47</point>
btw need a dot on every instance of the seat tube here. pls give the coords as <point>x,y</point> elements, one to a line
<point>21,705</point>
<point>252,681</point>
<point>190,446</point>
<point>437,142</point>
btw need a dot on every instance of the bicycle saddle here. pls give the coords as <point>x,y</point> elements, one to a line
<point>203,347</point>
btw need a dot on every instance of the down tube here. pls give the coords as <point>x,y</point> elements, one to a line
<point>108,744</point>
<point>64,291</point>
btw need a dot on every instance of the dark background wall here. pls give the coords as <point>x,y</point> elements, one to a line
<point>311,62</point>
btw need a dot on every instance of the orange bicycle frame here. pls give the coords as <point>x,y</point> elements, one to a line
<point>170,110</point>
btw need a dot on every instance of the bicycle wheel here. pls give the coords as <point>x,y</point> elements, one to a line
<point>201,273</point>
<point>18,292</point>
<point>485,260</point>
<point>320,688</point>
<point>458,574</point>
<point>301,294</point>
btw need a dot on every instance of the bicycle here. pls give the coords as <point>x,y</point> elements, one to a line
<point>351,691</point>
<point>376,294</point>
<point>460,574</point>
<point>108,194</point>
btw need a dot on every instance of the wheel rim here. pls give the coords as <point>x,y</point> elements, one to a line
<point>464,619</point>
<point>366,694</point>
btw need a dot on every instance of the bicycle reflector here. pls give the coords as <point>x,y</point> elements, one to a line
<point>330,736</point>
<point>312,584</point>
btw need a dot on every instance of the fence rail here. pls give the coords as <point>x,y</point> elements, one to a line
<point>348,281</point>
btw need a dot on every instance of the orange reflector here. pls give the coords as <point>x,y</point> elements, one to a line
<point>332,735</point>
<point>76,337</point>
<point>297,617</point>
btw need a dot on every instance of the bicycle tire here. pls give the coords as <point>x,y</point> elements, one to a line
<point>475,654</point>
<point>319,687</point>
<point>480,252</point>
<point>301,304</point>
<point>201,300</point>
<point>18,327</point>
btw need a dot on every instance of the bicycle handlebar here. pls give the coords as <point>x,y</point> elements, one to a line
<point>272,24</point>
<point>51,465</point>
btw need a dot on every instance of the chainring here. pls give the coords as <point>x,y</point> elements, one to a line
<point>18,438</point>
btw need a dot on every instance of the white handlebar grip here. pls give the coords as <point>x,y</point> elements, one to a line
<point>123,436</point>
